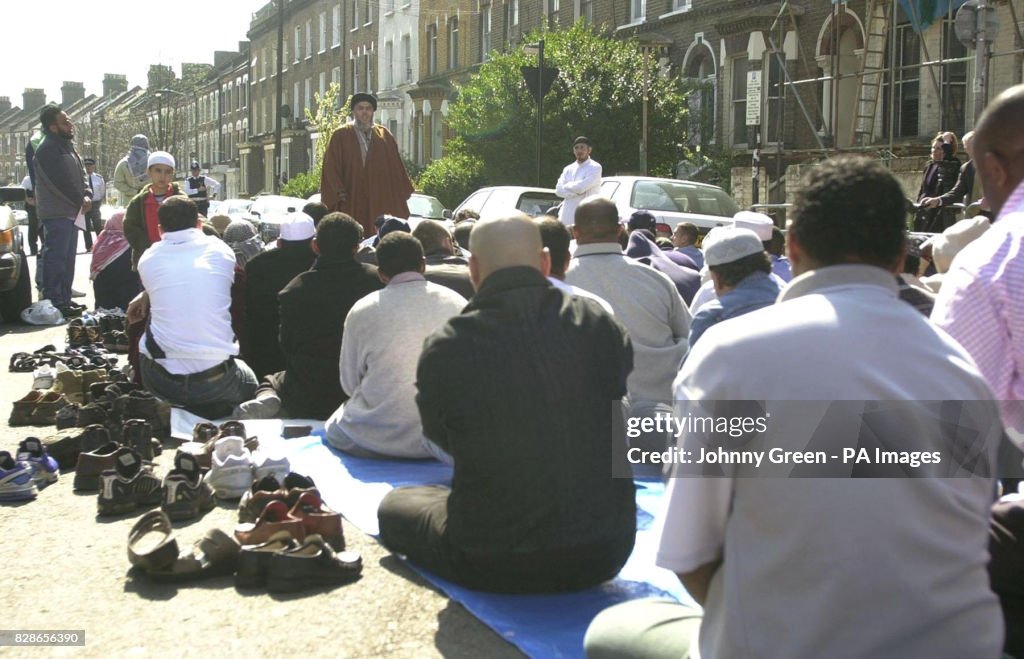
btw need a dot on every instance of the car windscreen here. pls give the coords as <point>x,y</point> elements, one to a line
<point>276,206</point>
<point>537,203</point>
<point>680,197</point>
<point>425,207</point>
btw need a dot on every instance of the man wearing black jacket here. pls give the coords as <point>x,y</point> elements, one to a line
<point>519,390</point>
<point>266,274</point>
<point>313,310</point>
<point>62,192</point>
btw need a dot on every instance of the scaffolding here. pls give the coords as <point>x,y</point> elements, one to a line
<point>877,70</point>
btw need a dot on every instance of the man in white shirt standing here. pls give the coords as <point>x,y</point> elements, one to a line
<point>578,181</point>
<point>99,193</point>
<point>188,352</point>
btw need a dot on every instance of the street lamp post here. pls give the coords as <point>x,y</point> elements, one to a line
<point>649,43</point>
<point>195,117</point>
<point>538,81</point>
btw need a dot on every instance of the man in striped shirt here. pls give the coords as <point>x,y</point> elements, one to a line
<point>980,303</point>
<point>981,306</point>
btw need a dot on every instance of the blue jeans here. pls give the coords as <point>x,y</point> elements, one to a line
<point>212,394</point>
<point>60,238</point>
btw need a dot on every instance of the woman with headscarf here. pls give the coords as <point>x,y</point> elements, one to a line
<point>113,280</point>
<point>241,236</point>
<point>130,174</point>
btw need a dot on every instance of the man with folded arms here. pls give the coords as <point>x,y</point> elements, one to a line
<point>807,566</point>
<point>511,389</point>
<point>188,352</point>
<point>381,344</point>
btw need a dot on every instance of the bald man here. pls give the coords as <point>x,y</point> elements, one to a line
<point>518,389</point>
<point>980,305</point>
<point>645,300</point>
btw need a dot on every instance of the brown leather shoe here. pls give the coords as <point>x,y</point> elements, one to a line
<point>318,519</point>
<point>21,412</point>
<point>45,412</point>
<point>92,464</point>
<point>274,518</point>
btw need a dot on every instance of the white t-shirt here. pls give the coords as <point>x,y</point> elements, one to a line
<point>835,567</point>
<point>188,277</point>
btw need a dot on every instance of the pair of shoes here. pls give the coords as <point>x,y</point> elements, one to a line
<point>131,484</point>
<point>205,436</point>
<point>230,473</point>
<point>16,482</point>
<point>37,408</point>
<point>185,493</point>
<point>44,467</point>
<point>66,446</point>
<point>153,548</point>
<point>138,433</point>
<point>271,488</point>
<point>307,516</point>
<point>286,565</point>
<point>115,341</point>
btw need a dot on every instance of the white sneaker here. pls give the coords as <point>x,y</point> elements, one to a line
<point>230,473</point>
<point>75,293</point>
<point>266,464</point>
<point>43,377</point>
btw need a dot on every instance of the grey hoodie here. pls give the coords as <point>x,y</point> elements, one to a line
<point>61,182</point>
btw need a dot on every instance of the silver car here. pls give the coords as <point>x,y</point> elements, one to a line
<point>671,201</point>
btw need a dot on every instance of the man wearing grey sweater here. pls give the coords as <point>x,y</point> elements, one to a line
<point>380,347</point>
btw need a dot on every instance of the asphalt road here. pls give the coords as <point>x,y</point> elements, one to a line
<point>65,569</point>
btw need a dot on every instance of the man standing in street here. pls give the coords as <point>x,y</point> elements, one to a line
<point>578,181</point>
<point>130,173</point>
<point>363,174</point>
<point>99,192</point>
<point>62,192</point>
<point>201,188</point>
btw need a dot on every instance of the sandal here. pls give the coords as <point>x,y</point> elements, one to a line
<point>22,362</point>
<point>151,544</point>
<point>215,554</point>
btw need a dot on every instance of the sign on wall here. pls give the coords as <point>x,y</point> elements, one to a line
<point>753,98</point>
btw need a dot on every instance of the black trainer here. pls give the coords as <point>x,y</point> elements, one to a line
<point>128,486</point>
<point>185,492</point>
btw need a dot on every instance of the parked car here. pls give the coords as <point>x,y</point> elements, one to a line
<point>267,212</point>
<point>425,207</point>
<point>15,281</point>
<point>671,201</point>
<point>236,209</point>
<point>495,201</point>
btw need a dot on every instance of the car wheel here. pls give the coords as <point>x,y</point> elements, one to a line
<point>14,301</point>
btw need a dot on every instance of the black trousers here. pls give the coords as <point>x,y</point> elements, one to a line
<point>35,230</point>
<point>92,222</point>
<point>413,521</point>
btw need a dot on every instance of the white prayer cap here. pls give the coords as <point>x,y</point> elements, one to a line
<point>297,226</point>
<point>160,158</point>
<point>759,223</point>
<point>728,244</point>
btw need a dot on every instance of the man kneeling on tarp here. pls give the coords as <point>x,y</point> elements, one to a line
<point>518,389</point>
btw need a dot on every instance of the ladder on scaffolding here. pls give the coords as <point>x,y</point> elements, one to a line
<point>872,66</point>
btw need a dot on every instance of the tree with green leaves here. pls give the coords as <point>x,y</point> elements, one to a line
<point>598,93</point>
